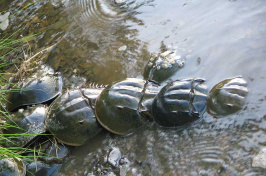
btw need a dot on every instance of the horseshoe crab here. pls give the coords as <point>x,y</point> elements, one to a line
<point>117,107</point>
<point>28,123</point>
<point>180,103</point>
<point>71,118</point>
<point>40,87</point>
<point>227,97</point>
<point>92,94</point>
<point>150,91</point>
<point>161,66</point>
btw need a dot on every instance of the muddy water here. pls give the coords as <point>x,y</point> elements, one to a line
<point>218,40</point>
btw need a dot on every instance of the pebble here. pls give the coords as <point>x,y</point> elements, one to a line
<point>150,64</point>
<point>123,170</point>
<point>111,174</point>
<point>120,1</point>
<point>122,48</point>
<point>4,22</point>
<point>124,167</point>
<point>21,110</point>
<point>260,159</point>
<point>114,157</point>
<point>90,174</point>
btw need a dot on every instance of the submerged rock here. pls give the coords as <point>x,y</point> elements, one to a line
<point>120,1</point>
<point>122,48</point>
<point>119,164</point>
<point>114,157</point>
<point>260,159</point>
<point>12,167</point>
<point>4,22</point>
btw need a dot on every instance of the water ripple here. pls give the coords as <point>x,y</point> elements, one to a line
<point>99,12</point>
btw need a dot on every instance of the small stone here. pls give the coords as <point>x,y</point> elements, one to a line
<point>4,22</point>
<point>90,174</point>
<point>75,71</point>
<point>198,60</point>
<point>105,172</point>
<point>120,1</point>
<point>134,172</point>
<point>105,159</point>
<point>111,174</point>
<point>122,161</point>
<point>124,167</point>
<point>181,64</point>
<point>123,170</point>
<point>21,110</point>
<point>150,64</point>
<point>122,48</point>
<point>260,159</point>
<point>114,157</point>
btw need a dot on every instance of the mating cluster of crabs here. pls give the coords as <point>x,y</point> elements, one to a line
<point>75,116</point>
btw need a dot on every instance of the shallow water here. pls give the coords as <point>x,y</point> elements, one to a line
<point>218,40</point>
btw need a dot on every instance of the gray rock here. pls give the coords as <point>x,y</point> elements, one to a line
<point>122,48</point>
<point>4,22</point>
<point>120,1</point>
<point>260,159</point>
<point>114,157</point>
<point>124,166</point>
